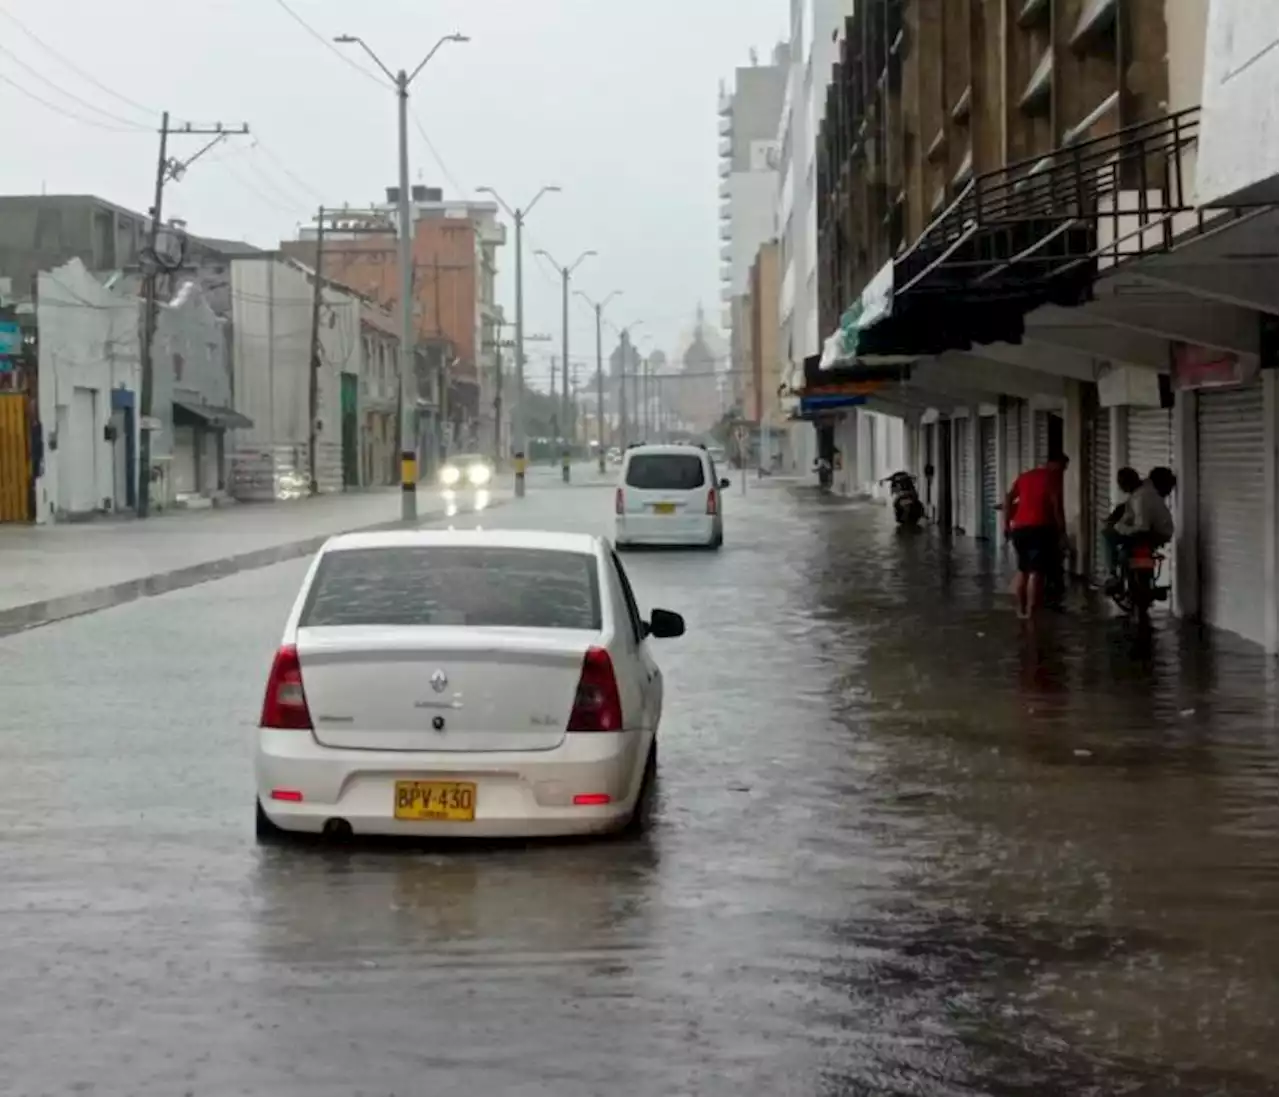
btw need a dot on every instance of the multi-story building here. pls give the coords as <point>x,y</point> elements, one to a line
<point>456,314</point>
<point>765,375</point>
<point>748,183</point>
<point>1014,257</point>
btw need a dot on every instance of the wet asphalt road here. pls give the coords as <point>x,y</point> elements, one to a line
<point>900,848</point>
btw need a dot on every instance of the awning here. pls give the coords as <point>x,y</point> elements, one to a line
<point>209,416</point>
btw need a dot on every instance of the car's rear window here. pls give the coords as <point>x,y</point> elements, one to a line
<point>470,585</point>
<point>665,471</point>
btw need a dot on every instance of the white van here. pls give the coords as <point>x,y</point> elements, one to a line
<point>668,495</point>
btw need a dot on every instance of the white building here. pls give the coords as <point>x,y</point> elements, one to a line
<point>748,185</point>
<point>817,28</point>
<point>89,377</point>
<point>271,310</point>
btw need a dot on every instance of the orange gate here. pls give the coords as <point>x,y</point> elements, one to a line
<point>15,462</point>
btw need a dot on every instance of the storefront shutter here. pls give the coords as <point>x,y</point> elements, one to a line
<point>1231,511</point>
<point>1101,481</point>
<point>990,494</point>
<point>1150,439</point>
<point>1041,454</point>
<point>964,472</point>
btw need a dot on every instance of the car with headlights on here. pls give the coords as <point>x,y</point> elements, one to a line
<point>466,472</point>
<point>481,684</point>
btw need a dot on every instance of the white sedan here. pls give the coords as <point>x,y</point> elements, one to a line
<point>469,683</point>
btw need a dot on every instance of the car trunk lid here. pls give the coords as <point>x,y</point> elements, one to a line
<point>436,688</point>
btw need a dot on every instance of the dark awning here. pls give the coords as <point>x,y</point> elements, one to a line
<point>209,416</point>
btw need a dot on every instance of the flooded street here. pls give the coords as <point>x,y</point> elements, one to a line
<point>901,847</point>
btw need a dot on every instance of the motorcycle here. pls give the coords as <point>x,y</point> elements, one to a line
<point>907,508</point>
<point>1137,586</point>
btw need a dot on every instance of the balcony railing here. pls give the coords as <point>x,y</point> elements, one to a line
<point>1024,213</point>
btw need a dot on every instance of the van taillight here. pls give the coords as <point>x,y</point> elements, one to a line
<point>596,706</point>
<point>619,502</point>
<point>285,703</point>
<point>711,501</point>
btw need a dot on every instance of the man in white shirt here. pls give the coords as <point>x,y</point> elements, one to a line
<point>1146,515</point>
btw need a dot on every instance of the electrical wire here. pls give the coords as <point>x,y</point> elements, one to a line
<point>290,210</point>
<point>118,118</point>
<point>435,155</point>
<point>74,67</point>
<point>283,167</point>
<point>344,58</point>
<point>67,113</point>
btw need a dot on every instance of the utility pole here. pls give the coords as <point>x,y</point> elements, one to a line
<point>622,389</point>
<point>166,169</point>
<point>313,385</point>
<point>517,427</point>
<point>601,434</point>
<point>408,399</point>
<point>566,273</point>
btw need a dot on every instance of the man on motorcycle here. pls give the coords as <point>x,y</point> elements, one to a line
<point>1036,524</point>
<point>1146,519</point>
<point>1128,481</point>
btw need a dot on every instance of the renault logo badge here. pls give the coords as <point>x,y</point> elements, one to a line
<point>439,681</point>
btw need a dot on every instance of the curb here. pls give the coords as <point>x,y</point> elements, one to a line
<point>50,611</point>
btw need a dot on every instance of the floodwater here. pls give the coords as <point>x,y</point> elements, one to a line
<point>901,846</point>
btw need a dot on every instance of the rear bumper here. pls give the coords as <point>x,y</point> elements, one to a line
<point>518,794</point>
<point>666,529</point>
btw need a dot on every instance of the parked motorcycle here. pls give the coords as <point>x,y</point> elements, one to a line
<point>907,508</point>
<point>1137,586</point>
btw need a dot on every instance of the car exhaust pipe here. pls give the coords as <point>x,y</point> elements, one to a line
<point>337,828</point>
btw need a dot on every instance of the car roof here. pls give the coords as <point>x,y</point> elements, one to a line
<point>587,543</point>
<point>667,447</point>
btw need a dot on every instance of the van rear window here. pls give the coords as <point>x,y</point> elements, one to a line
<point>665,472</point>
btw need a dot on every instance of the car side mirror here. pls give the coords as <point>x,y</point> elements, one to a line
<point>665,625</point>
<point>724,483</point>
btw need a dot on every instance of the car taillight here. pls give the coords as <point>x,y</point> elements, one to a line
<point>596,706</point>
<point>619,502</point>
<point>711,501</point>
<point>285,703</point>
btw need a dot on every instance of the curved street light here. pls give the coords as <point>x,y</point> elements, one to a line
<point>518,214</point>
<point>598,308</point>
<point>408,397</point>
<point>566,401</point>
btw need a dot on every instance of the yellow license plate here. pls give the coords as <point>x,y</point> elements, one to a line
<point>664,508</point>
<point>436,801</point>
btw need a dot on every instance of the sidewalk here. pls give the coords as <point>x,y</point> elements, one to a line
<point>48,573</point>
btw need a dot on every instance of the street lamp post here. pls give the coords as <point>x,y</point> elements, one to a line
<point>624,335</point>
<point>517,427</point>
<point>598,307</point>
<point>565,274</point>
<point>408,399</point>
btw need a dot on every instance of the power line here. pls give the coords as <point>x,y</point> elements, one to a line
<point>329,45</point>
<point>70,95</point>
<point>131,128</point>
<point>73,66</point>
<point>287,171</point>
<point>435,155</point>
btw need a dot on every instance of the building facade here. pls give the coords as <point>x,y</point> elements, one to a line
<point>1023,248</point>
<point>456,315</point>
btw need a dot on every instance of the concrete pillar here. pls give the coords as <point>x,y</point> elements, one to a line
<point>1182,557</point>
<point>1119,443</point>
<point>1271,488</point>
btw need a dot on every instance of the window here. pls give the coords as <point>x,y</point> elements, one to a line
<point>476,586</point>
<point>633,610</point>
<point>665,472</point>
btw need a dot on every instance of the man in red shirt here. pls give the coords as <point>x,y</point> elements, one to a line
<point>1036,524</point>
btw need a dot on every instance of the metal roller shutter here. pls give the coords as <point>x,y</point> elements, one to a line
<point>1231,491</point>
<point>990,494</point>
<point>1028,439</point>
<point>1041,453</point>
<point>1101,479</point>
<point>1013,459</point>
<point>1150,439</point>
<point>964,473</point>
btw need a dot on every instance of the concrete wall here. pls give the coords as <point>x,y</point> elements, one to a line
<point>88,346</point>
<point>1239,155</point>
<point>41,232</point>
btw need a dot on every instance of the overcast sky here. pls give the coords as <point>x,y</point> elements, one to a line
<point>614,100</point>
